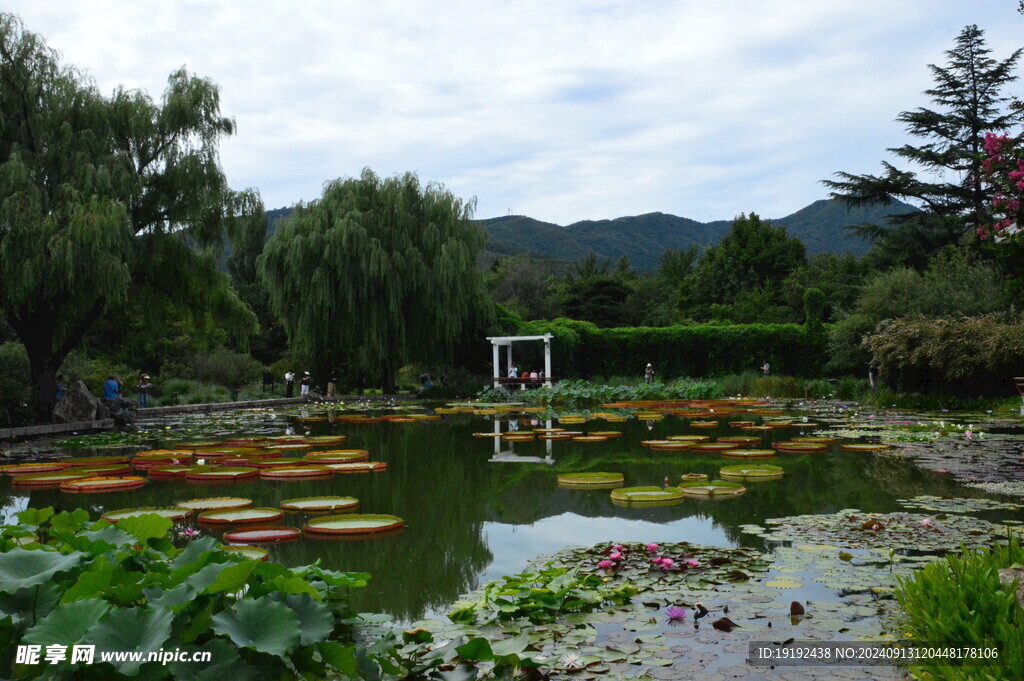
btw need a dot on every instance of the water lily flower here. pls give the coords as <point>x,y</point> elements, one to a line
<point>615,555</point>
<point>927,522</point>
<point>618,547</point>
<point>652,547</point>
<point>605,564</point>
<point>969,435</point>
<point>571,662</point>
<point>674,612</point>
<point>658,560</point>
<point>693,562</point>
<point>667,563</point>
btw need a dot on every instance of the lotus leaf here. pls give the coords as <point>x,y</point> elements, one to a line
<point>174,514</point>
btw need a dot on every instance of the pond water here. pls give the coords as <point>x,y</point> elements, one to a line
<point>478,508</point>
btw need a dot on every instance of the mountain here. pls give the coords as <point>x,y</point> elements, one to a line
<point>643,238</point>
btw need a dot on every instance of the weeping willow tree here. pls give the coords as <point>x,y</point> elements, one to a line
<point>376,274</point>
<point>103,198</point>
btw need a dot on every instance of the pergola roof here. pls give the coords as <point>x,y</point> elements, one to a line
<point>505,340</point>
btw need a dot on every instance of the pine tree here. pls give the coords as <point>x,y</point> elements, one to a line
<point>970,101</point>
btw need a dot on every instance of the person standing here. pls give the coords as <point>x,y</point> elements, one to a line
<point>142,388</point>
<point>289,383</point>
<point>873,376</point>
<point>306,381</point>
<point>649,373</point>
<point>111,388</point>
<point>332,384</point>
<point>766,368</point>
<point>59,389</point>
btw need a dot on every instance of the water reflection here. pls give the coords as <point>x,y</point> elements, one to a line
<point>479,508</point>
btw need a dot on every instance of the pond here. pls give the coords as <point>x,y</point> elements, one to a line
<point>478,507</point>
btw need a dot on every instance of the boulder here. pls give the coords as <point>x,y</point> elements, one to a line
<point>78,404</point>
<point>121,410</point>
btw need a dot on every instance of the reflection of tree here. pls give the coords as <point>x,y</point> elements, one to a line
<point>440,480</point>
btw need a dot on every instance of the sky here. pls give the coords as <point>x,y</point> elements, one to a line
<point>559,110</point>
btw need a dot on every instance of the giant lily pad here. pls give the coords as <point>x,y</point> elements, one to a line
<point>793,447</point>
<point>225,473</point>
<point>327,439</point>
<point>45,480</point>
<point>632,495</point>
<point>752,472</point>
<point>239,516</point>
<point>101,484</point>
<point>689,438</point>
<point>741,440</point>
<point>711,447</point>
<point>250,552</point>
<point>358,467</point>
<point>112,470</point>
<point>864,447</point>
<point>590,479</point>
<point>693,477</point>
<point>338,456</point>
<point>716,489</point>
<point>703,424</point>
<point>816,440</point>
<point>321,504</point>
<point>174,472</point>
<point>271,534</point>
<point>33,468</point>
<point>749,453</point>
<point>175,514</point>
<point>296,472</point>
<point>517,437</point>
<point>215,503</point>
<point>355,523</point>
<point>590,438</point>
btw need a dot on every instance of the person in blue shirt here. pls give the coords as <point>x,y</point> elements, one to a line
<point>59,389</point>
<point>111,389</point>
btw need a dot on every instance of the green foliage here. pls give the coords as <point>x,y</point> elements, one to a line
<point>14,385</point>
<point>754,255</point>
<point>541,596</point>
<point>814,309</point>
<point>582,393</point>
<point>380,273</point>
<point>970,356</point>
<point>969,92</point>
<point>102,200</point>
<point>960,600</point>
<point>223,367</point>
<point>70,581</point>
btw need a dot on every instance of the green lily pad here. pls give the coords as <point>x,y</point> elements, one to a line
<point>632,495</point>
<point>175,514</point>
<point>320,504</point>
<point>716,489</point>
<point>355,523</point>
<point>215,503</point>
<point>590,479</point>
<point>240,516</point>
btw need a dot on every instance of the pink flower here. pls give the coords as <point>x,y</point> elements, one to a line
<point>667,563</point>
<point>693,562</point>
<point>618,547</point>
<point>926,522</point>
<point>658,560</point>
<point>605,564</point>
<point>968,435</point>
<point>652,547</point>
<point>674,612</point>
<point>615,555</point>
<point>942,470</point>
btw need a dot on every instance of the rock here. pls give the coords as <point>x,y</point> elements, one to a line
<point>78,404</point>
<point>1007,575</point>
<point>795,608</point>
<point>121,410</point>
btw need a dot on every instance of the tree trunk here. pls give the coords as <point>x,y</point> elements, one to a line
<point>44,384</point>
<point>388,386</point>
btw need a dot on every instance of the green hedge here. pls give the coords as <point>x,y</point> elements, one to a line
<point>581,349</point>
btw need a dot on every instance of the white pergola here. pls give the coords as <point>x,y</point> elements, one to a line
<point>507,341</point>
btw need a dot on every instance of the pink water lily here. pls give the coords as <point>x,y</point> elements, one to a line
<point>605,564</point>
<point>652,547</point>
<point>927,522</point>
<point>618,547</point>
<point>667,563</point>
<point>615,555</point>
<point>693,562</point>
<point>674,612</point>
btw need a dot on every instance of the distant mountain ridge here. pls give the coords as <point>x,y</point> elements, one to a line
<point>644,238</point>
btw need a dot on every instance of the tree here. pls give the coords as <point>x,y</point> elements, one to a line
<point>101,198</point>
<point>754,255</point>
<point>970,101</point>
<point>593,291</point>
<point>376,274</point>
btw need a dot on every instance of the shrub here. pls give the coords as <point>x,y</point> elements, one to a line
<point>968,357</point>
<point>226,368</point>
<point>959,600</point>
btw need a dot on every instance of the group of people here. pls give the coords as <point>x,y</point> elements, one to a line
<point>304,383</point>
<point>766,370</point>
<point>513,372</point>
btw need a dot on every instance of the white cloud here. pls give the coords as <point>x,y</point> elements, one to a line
<point>563,110</point>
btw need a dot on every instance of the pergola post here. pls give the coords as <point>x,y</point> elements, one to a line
<point>547,361</point>
<point>497,369</point>
<point>508,356</point>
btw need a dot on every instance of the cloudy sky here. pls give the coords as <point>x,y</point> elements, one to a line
<point>555,109</point>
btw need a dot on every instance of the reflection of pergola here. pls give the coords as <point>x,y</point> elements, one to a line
<point>507,341</point>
